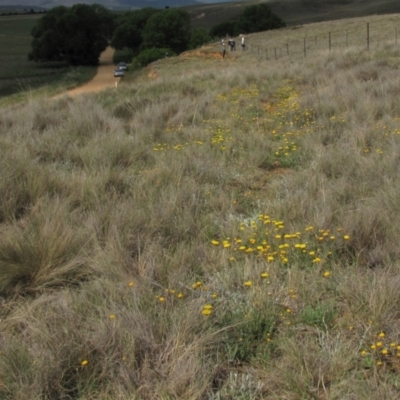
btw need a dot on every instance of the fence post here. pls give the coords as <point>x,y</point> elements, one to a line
<point>330,42</point>
<point>367,35</point>
<point>305,49</point>
<point>287,48</point>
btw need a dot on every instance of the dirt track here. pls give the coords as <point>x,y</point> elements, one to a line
<point>104,77</point>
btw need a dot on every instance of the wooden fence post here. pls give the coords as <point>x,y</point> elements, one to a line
<point>316,44</point>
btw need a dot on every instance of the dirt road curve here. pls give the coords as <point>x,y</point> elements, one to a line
<point>104,77</point>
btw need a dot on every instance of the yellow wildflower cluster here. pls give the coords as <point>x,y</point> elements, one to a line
<point>237,94</point>
<point>283,119</point>
<point>207,309</point>
<point>288,98</point>
<point>220,134</point>
<point>382,350</point>
<point>198,285</point>
<point>170,295</point>
<point>267,238</point>
<point>220,131</point>
<point>383,136</point>
<point>288,122</point>
<point>165,146</point>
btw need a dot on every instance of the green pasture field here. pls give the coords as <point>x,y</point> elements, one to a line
<point>17,74</point>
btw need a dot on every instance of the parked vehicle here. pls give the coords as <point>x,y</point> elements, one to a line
<point>118,73</point>
<point>123,66</point>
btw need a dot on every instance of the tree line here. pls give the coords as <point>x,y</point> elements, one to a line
<point>77,35</point>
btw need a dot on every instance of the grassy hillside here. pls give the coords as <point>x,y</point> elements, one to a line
<point>294,12</point>
<point>212,229</point>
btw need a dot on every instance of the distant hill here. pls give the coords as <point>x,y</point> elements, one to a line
<point>111,4</point>
<point>128,4</point>
<point>205,14</point>
<point>293,12</point>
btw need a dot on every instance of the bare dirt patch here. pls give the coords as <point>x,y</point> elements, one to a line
<point>103,79</point>
<point>207,54</point>
<point>152,74</point>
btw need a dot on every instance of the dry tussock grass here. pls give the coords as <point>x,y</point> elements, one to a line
<point>226,230</point>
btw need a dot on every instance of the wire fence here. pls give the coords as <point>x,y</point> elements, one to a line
<point>367,35</point>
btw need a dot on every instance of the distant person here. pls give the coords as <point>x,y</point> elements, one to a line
<point>233,45</point>
<point>223,50</point>
<point>230,44</point>
<point>243,44</point>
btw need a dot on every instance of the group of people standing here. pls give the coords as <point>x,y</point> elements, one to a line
<point>232,45</point>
